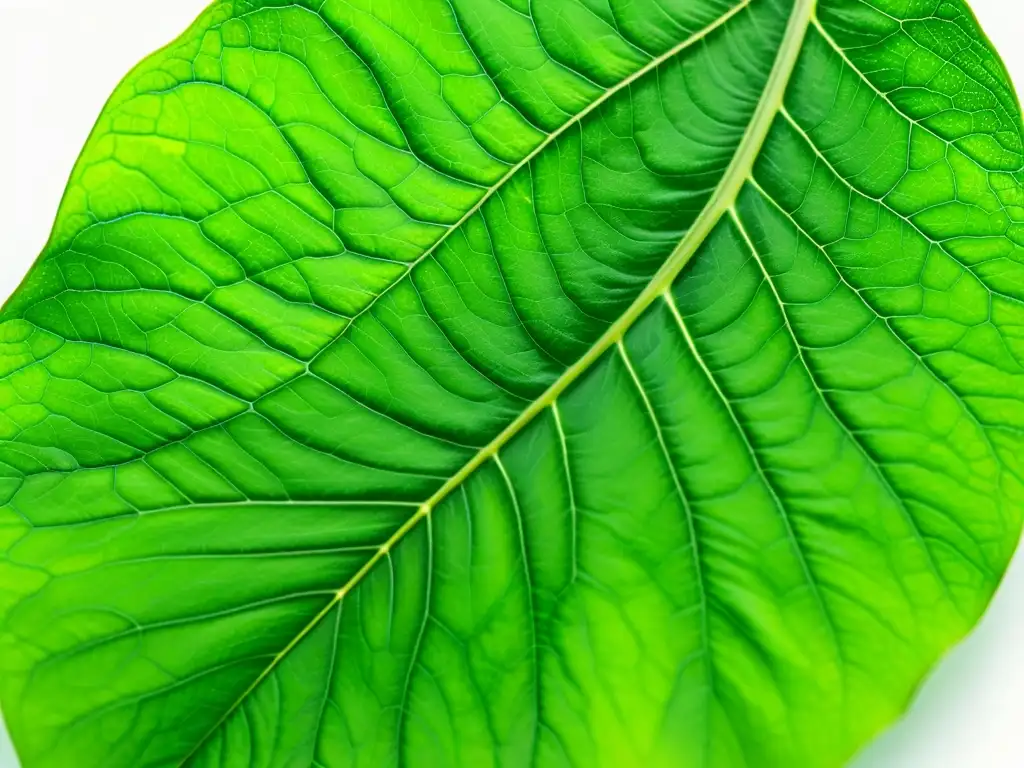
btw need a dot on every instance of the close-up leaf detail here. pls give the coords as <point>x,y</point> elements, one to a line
<point>497,383</point>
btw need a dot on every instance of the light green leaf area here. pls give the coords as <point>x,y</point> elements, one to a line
<point>497,383</point>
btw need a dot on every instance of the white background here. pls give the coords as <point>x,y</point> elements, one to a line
<point>62,58</point>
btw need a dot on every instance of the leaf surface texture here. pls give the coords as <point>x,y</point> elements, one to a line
<point>508,383</point>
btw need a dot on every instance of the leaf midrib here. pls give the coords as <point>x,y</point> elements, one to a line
<point>723,198</point>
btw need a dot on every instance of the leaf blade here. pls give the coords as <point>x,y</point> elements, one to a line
<point>375,380</point>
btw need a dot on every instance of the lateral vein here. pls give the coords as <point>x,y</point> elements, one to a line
<point>548,141</point>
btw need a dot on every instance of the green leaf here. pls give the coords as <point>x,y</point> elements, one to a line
<point>509,383</point>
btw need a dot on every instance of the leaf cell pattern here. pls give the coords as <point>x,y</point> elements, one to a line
<point>516,383</point>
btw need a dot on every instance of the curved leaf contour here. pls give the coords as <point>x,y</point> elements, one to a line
<point>509,383</point>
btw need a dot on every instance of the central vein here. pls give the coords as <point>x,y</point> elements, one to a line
<point>721,201</point>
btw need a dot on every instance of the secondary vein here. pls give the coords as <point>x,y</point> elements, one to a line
<point>548,141</point>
